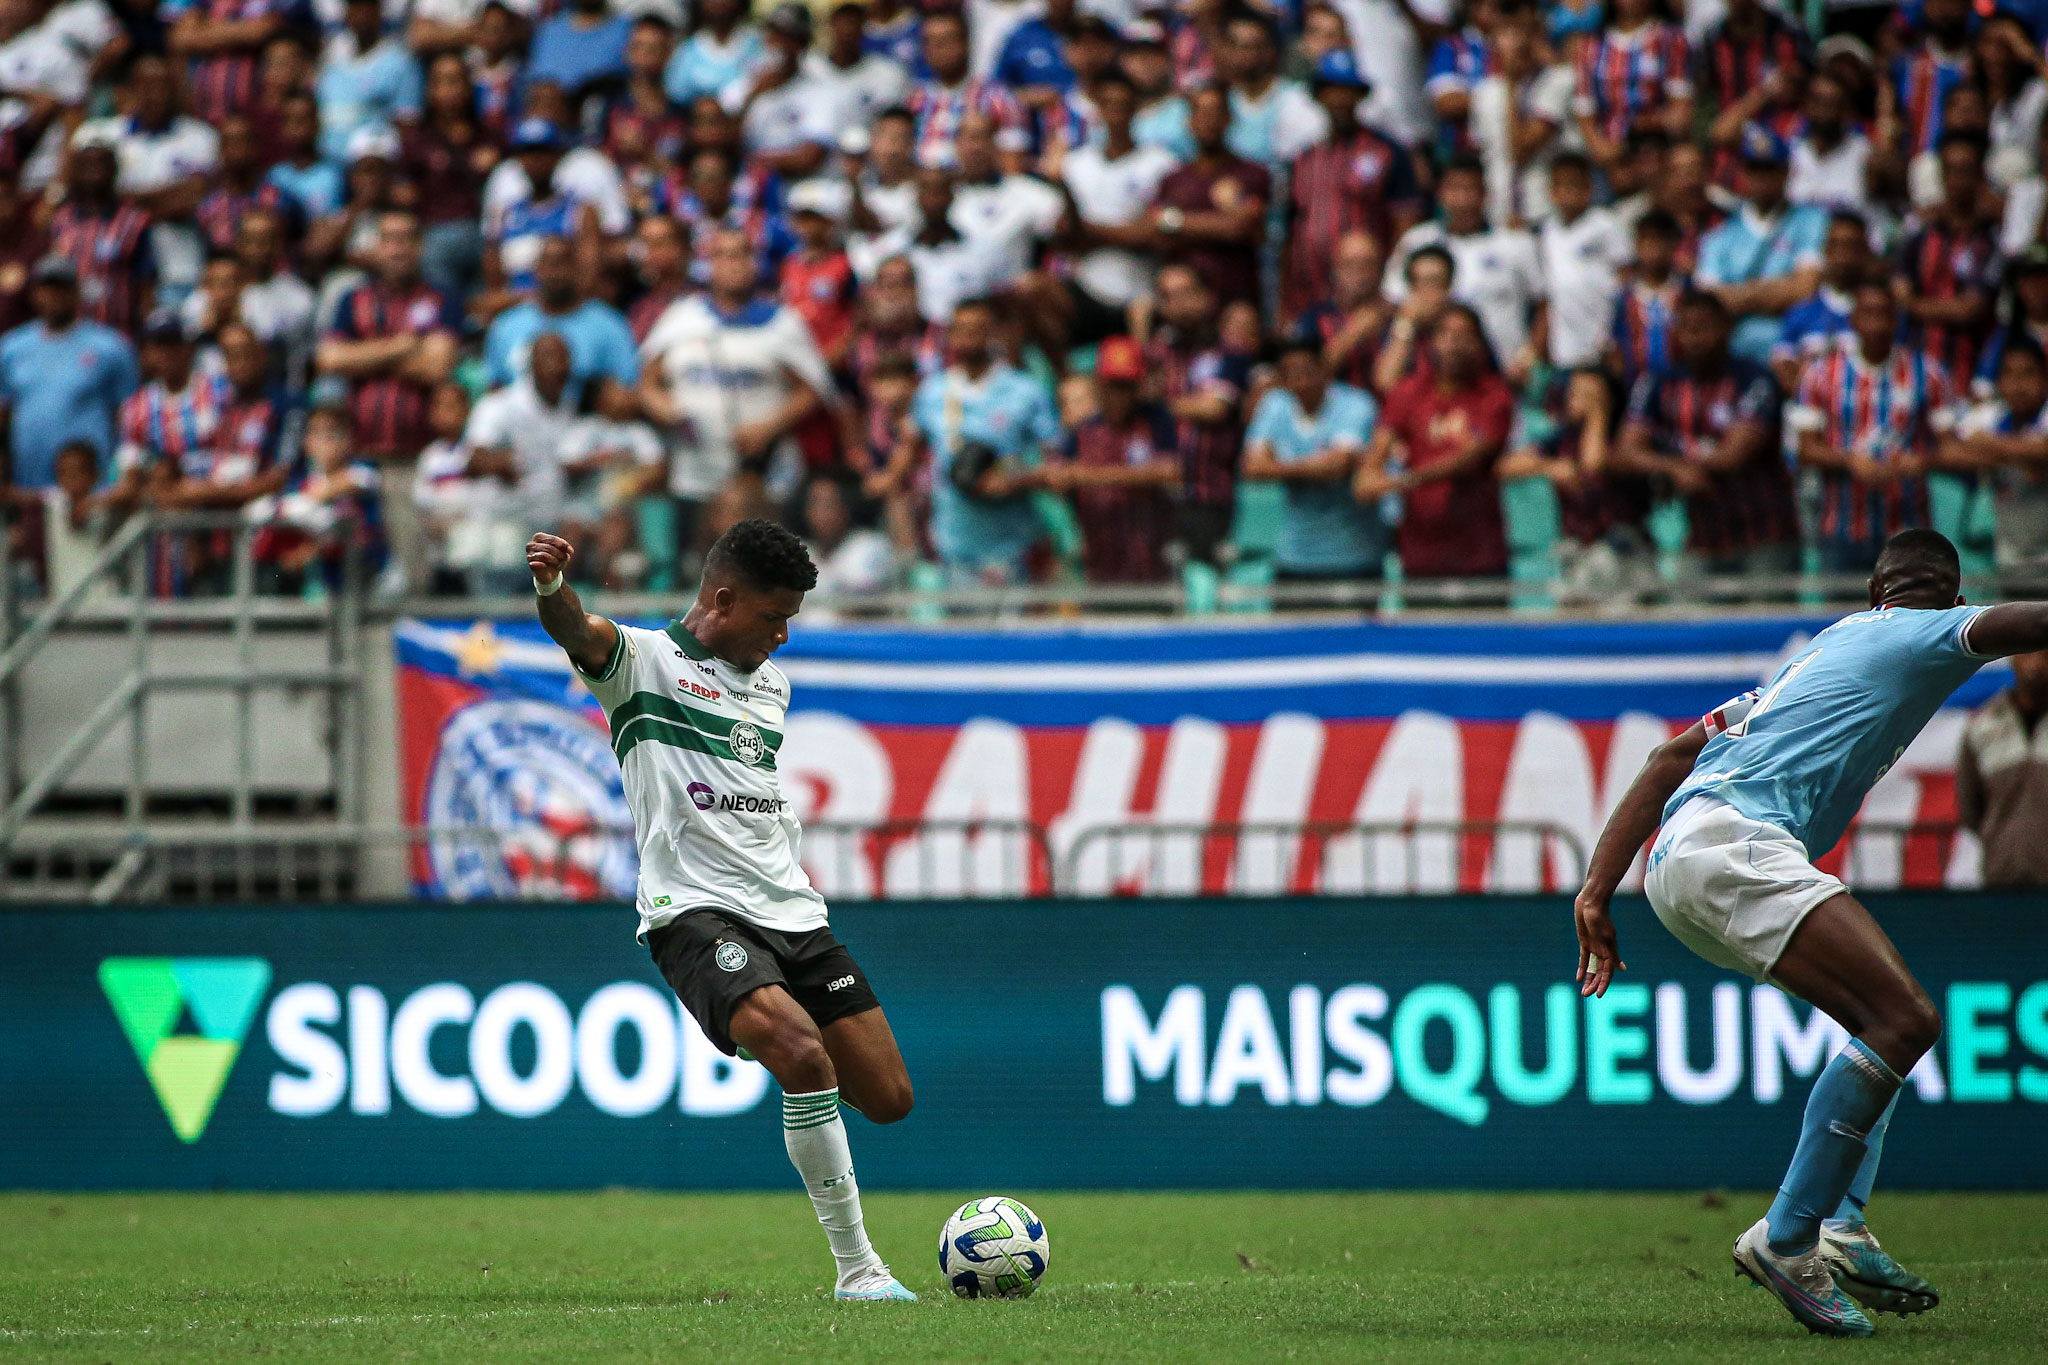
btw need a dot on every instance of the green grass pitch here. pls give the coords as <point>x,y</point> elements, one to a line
<point>1187,1278</point>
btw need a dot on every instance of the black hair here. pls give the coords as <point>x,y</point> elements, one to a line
<point>1702,298</point>
<point>77,448</point>
<point>1850,217</point>
<point>1640,138</point>
<point>1465,164</point>
<point>894,111</point>
<point>764,556</point>
<point>1292,342</point>
<point>1247,15</point>
<point>1659,223</point>
<point>1115,76</point>
<point>1870,283</point>
<point>1961,137</point>
<point>1572,161</point>
<point>2019,344</point>
<point>1430,252</point>
<point>977,303</point>
<point>1922,555</point>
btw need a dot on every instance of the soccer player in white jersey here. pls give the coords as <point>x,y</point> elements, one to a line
<point>733,922</point>
<point>1748,797</point>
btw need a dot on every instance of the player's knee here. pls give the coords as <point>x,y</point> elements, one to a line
<point>891,1103</point>
<point>1918,1025</point>
<point>794,1054</point>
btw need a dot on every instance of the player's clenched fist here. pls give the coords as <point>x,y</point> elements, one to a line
<point>548,557</point>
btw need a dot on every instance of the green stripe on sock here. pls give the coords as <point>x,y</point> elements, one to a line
<point>794,1125</point>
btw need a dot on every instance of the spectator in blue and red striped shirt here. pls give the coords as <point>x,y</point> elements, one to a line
<point>1203,387</point>
<point>949,94</point>
<point>1120,469</point>
<point>223,41</point>
<point>1750,66</point>
<point>1707,430</point>
<point>107,238</point>
<point>1635,74</point>
<point>1868,416</point>
<point>1357,179</point>
<point>239,187</point>
<point>1643,314</point>
<point>393,339</point>
<point>1951,263</point>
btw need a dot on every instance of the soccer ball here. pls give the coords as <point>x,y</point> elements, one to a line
<point>993,1247</point>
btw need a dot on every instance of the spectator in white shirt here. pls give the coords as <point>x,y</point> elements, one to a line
<point>1520,118</point>
<point>788,121</point>
<point>1830,159</point>
<point>1584,251</point>
<point>516,434</point>
<point>852,560</point>
<point>863,83</point>
<point>881,173</point>
<point>1008,217</point>
<point>1499,273</point>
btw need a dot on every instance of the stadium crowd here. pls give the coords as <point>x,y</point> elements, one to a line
<point>1029,289</point>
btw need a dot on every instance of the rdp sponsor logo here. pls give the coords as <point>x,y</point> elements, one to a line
<point>365,1051</point>
<point>1446,1049</point>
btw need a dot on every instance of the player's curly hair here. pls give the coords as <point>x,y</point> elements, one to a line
<point>764,556</point>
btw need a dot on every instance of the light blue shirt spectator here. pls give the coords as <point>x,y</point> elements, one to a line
<point>61,387</point>
<point>1327,531</point>
<point>1164,124</point>
<point>573,56</point>
<point>705,66</point>
<point>600,344</point>
<point>1010,413</point>
<point>358,89</point>
<point>318,189</point>
<point>1749,248</point>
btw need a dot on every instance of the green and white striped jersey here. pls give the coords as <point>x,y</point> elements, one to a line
<point>697,741</point>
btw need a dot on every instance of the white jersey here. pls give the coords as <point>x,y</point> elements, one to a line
<point>696,741</point>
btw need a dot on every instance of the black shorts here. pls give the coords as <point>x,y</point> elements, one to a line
<point>713,961</point>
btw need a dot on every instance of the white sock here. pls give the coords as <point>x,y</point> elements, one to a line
<point>816,1138</point>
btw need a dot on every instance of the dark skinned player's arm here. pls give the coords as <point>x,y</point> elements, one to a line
<point>2013,628</point>
<point>1634,821</point>
<point>588,640</point>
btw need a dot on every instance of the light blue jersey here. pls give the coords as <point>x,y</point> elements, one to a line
<point>1803,751</point>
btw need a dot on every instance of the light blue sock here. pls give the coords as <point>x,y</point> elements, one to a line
<point>1851,1209</point>
<point>1848,1100</point>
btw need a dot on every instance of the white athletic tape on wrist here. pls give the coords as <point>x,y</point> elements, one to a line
<point>549,588</point>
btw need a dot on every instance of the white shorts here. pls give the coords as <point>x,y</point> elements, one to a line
<point>1730,888</point>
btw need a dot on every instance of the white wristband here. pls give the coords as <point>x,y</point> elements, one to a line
<point>549,588</point>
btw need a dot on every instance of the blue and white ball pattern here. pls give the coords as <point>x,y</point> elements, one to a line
<point>993,1248</point>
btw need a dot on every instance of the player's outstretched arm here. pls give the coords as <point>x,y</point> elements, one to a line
<point>1634,820</point>
<point>2014,628</point>
<point>589,640</point>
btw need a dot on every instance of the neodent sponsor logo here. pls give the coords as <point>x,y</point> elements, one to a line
<point>753,805</point>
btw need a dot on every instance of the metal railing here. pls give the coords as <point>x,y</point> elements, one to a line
<point>113,593</point>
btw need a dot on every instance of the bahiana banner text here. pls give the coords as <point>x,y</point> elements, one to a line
<point>1117,1043</point>
<point>1076,731</point>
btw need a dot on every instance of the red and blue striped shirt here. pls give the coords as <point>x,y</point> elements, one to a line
<point>1627,77</point>
<point>1883,410</point>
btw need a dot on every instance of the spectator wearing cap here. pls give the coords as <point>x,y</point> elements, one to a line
<point>601,348</point>
<point>788,122</point>
<point>366,78</point>
<point>723,49</point>
<point>862,83</point>
<point>584,175</point>
<point>315,185</point>
<point>1951,266</point>
<point>349,237</point>
<point>816,278</point>
<point>1211,213</point>
<point>222,42</point>
<point>514,235</point>
<point>1309,436</point>
<point>944,99</point>
<point>2025,311</point>
<point>1765,258</point>
<point>1120,468</point>
<point>1357,179</point>
<point>106,239</point>
<point>62,378</point>
<point>583,45</point>
<point>730,375</point>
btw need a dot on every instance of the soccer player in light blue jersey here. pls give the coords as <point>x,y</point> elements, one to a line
<point>1748,797</point>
